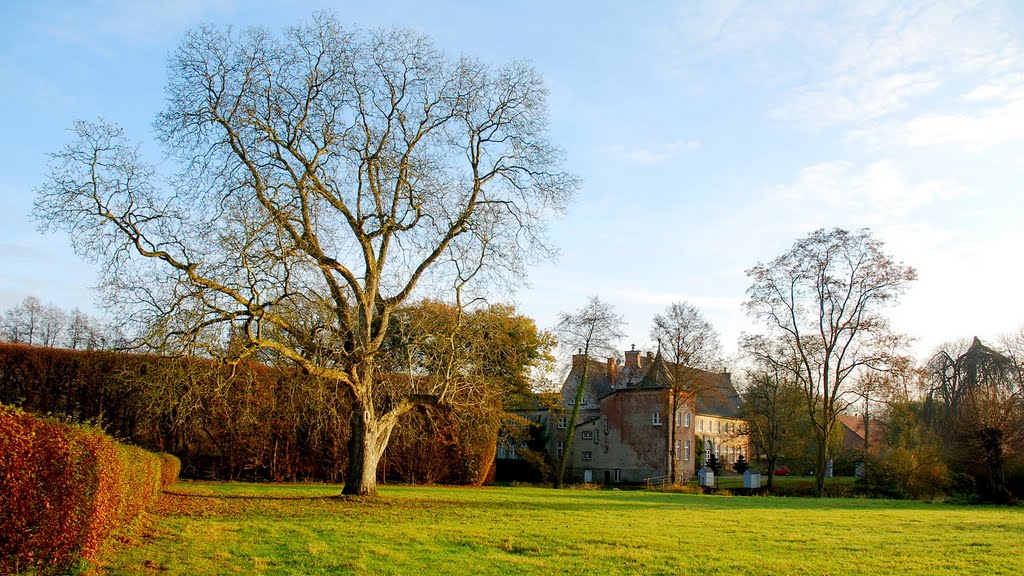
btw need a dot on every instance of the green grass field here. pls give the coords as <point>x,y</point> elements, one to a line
<point>205,528</point>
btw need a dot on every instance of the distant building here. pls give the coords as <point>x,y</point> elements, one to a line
<point>631,427</point>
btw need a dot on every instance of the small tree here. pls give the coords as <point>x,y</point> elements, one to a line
<point>771,402</point>
<point>593,328</point>
<point>741,465</point>
<point>982,413</point>
<point>714,464</point>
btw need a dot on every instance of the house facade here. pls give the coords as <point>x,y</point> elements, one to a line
<point>643,418</point>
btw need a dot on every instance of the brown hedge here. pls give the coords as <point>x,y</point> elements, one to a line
<point>239,422</point>
<point>64,489</point>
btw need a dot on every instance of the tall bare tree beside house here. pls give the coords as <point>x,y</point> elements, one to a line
<point>326,175</point>
<point>824,299</point>
<point>594,328</point>
<point>691,346</point>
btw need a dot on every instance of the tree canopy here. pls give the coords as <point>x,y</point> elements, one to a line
<point>324,175</point>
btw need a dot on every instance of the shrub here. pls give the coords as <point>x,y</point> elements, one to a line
<point>170,469</point>
<point>64,489</point>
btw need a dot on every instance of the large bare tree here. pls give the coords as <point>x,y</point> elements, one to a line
<point>691,346</point>
<point>824,300</point>
<point>326,174</point>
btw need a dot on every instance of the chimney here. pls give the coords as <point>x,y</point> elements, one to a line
<point>632,358</point>
<point>611,371</point>
<point>578,359</point>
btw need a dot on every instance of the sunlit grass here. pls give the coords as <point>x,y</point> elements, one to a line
<point>298,529</point>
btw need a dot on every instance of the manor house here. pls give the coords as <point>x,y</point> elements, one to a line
<point>640,419</point>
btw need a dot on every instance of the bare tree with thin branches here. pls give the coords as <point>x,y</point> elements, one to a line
<point>691,346</point>
<point>824,299</point>
<point>594,328</point>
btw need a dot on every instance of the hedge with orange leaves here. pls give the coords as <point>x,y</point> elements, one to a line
<point>64,489</point>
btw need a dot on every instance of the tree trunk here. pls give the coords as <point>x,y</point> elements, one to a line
<point>673,476</point>
<point>366,446</point>
<point>570,433</point>
<point>820,459</point>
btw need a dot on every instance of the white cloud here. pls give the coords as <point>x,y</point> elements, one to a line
<point>657,154</point>
<point>1006,88</point>
<point>876,194</point>
<point>911,74</point>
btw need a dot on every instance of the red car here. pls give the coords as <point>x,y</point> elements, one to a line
<point>782,471</point>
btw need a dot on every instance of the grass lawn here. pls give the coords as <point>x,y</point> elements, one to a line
<point>204,528</point>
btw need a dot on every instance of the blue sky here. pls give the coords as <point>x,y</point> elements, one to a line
<point>709,136</point>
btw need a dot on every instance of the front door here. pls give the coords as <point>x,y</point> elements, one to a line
<point>588,475</point>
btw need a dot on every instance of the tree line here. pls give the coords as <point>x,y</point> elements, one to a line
<point>37,324</point>
<point>950,425</point>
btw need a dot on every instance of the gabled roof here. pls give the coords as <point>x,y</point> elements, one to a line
<point>854,424</point>
<point>714,390</point>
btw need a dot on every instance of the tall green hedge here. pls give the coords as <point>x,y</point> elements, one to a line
<point>65,488</point>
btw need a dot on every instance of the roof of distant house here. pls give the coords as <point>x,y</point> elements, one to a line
<point>714,390</point>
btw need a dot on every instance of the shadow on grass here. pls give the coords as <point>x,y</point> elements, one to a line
<point>254,496</point>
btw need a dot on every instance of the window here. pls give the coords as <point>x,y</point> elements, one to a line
<point>588,434</point>
<point>616,475</point>
<point>686,420</point>
<point>523,444</point>
<point>563,422</point>
<point>679,419</point>
<point>512,452</point>
<point>605,425</point>
<point>588,455</point>
<point>686,450</point>
<point>605,448</point>
<point>501,451</point>
<point>560,448</point>
<point>719,427</point>
<point>700,425</point>
<point>656,418</point>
